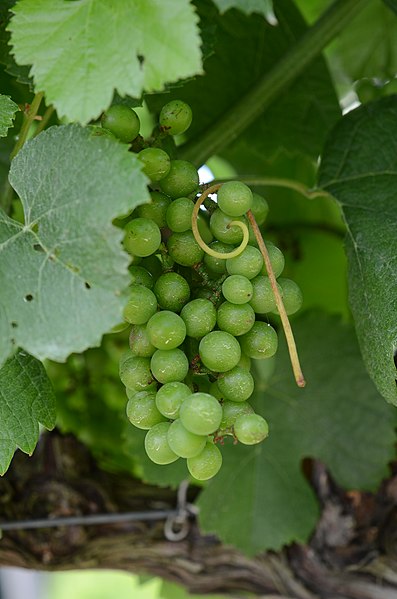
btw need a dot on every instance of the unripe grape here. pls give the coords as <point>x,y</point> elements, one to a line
<point>139,342</point>
<point>184,249</point>
<point>142,411</point>
<point>172,291</point>
<point>142,237</point>
<point>248,264</point>
<point>236,384</point>
<point>184,443</point>
<point>182,179</point>
<point>231,410</point>
<point>219,351</point>
<point>201,413</point>
<point>166,330</point>
<point>156,444</point>
<point>260,342</point>
<point>135,373</point>
<point>236,319</point>
<point>250,429</point>
<point>141,305</point>
<point>179,215</point>
<point>122,121</point>
<point>234,198</point>
<point>169,398</point>
<point>168,365</point>
<point>259,208</point>
<point>237,289</point>
<point>292,296</point>
<point>221,229</point>
<point>199,316</point>
<point>175,117</point>
<point>155,210</point>
<point>156,163</point>
<point>207,464</point>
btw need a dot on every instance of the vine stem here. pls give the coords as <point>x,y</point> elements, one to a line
<point>44,121</point>
<point>29,116</point>
<point>297,186</point>
<point>242,114</point>
<point>296,367</point>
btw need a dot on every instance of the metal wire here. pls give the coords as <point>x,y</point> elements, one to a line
<point>89,520</point>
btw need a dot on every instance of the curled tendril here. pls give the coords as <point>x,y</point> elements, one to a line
<point>237,251</point>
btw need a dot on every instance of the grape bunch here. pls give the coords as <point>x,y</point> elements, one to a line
<point>199,304</point>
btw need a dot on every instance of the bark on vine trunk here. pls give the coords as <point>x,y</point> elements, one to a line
<point>352,554</point>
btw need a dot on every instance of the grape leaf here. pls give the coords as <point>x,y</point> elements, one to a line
<point>359,168</point>
<point>332,419</point>
<point>26,398</point>
<point>264,7</point>
<point>82,51</point>
<point>63,272</point>
<point>8,109</point>
<point>392,4</point>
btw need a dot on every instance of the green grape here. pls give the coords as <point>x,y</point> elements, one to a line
<point>234,198</point>
<point>168,365</point>
<point>263,299</point>
<point>214,264</point>
<point>277,260</point>
<point>248,264</point>
<point>142,237</point>
<point>219,351</point>
<point>156,210</point>
<point>201,414</point>
<point>122,121</point>
<point>199,316</point>
<point>184,249</point>
<point>169,398</point>
<point>237,289</point>
<point>179,215</point>
<point>141,305</point>
<point>175,117</point>
<point>292,296</point>
<point>142,411</point>
<point>140,343</point>
<point>231,410</point>
<point>205,465</point>
<point>235,319</point>
<point>141,276</point>
<point>135,373</point>
<point>236,384</point>
<point>172,291</point>
<point>221,229</point>
<point>166,330</point>
<point>215,391</point>
<point>251,429</point>
<point>260,342</point>
<point>156,444</point>
<point>156,163</point>
<point>182,179</point>
<point>259,208</point>
<point>184,443</point>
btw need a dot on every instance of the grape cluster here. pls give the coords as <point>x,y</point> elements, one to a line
<point>198,307</point>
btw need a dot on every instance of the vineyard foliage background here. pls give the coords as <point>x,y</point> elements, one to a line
<point>266,105</point>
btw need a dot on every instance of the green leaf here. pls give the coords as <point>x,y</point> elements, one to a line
<point>127,47</point>
<point>264,7</point>
<point>391,4</point>
<point>247,47</point>
<point>332,420</point>
<point>359,168</point>
<point>8,109</point>
<point>64,272</point>
<point>26,398</point>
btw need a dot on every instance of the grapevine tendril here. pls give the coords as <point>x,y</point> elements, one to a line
<point>237,251</point>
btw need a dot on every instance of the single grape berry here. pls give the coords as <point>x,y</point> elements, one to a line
<point>201,413</point>
<point>236,319</point>
<point>234,198</point>
<point>219,351</point>
<point>223,231</point>
<point>142,237</point>
<point>135,373</point>
<point>175,117</point>
<point>139,342</point>
<point>184,249</point>
<point>260,342</point>
<point>156,163</point>
<point>156,209</point>
<point>179,215</point>
<point>206,464</point>
<point>292,296</point>
<point>248,264</point>
<point>236,384</point>
<point>169,398</point>
<point>172,291</point>
<point>141,305</point>
<point>263,299</point>
<point>166,330</point>
<point>237,289</point>
<point>182,179</point>
<point>277,260</point>
<point>183,442</point>
<point>259,208</point>
<point>141,276</point>
<point>156,444</point>
<point>214,263</point>
<point>199,316</point>
<point>168,365</point>
<point>250,429</point>
<point>230,411</point>
<point>122,121</point>
<point>142,411</point>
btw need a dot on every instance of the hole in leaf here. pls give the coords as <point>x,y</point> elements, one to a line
<point>14,325</point>
<point>38,248</point>
<point>87,285</point>
<point>28,297</point>
<point>141,59</point>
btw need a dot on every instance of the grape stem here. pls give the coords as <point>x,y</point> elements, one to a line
<point>237,251</point>
<point>29,116</point>
<point>297,186</point>
<point>296,367</point>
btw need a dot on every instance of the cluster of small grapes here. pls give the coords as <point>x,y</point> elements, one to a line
<point>198,306</point>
